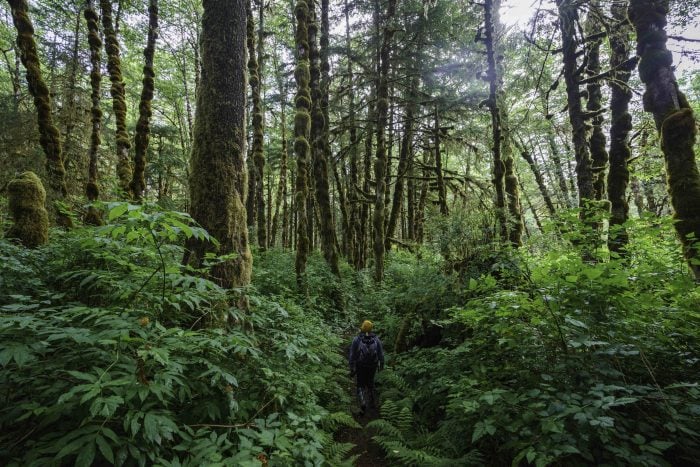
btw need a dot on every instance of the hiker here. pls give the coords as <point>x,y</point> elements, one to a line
<point>366,356</point>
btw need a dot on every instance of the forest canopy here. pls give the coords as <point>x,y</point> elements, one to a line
<point>201,200</point>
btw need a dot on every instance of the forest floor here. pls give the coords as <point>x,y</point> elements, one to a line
<point>370,453</point>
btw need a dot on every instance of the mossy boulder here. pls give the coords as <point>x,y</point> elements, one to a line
<point>26,196</point>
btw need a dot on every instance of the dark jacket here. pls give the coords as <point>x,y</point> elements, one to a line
<point>354,349</point>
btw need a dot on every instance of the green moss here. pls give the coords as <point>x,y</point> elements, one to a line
<point>652,61</point>
<point>26,197</point>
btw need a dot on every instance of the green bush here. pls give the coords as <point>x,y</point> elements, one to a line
<point>106,358</point>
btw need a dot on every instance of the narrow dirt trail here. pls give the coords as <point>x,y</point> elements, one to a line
<point>370,453</point>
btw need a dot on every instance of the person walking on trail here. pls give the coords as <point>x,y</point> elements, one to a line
<point>366,356</point>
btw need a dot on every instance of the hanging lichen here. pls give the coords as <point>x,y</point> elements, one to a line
<point>620,127</point>
<point>218,175</point>
<point>124,170</point>
<point>138,181</point>
<point>674,120</point>
<point>302,129</point>
<point>30,221</point>
<point>92,190</point>
<point>49,137</point>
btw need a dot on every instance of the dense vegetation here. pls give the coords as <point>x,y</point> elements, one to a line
<point>200,202</point>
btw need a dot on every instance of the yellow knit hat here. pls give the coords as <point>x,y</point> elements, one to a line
<point>366,326</point>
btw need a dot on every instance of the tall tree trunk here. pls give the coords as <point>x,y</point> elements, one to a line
<point>218,175</point>
<point>49,137</point>
<point>319,135</point>
<point>143,129</point>
<point>621,125</point>
<point>362,238</point>
<point>282,186</point>
<point>302,128</point>
<point>594,104</point>
<point>69,106</point>
<point>92,190</point>
<point>256,196</point>
<point>674,120</point>
<point>584,164</point>
<point>354,219</point>
<point>118,96</point>
<point>380,164</point>
<point>558,168</point>
<point>499,168</point>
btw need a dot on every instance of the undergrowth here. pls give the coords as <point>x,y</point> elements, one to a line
<point>108,356</point>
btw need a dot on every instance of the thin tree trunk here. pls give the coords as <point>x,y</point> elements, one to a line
<point>527,156</point>
<point>114,67</point>
<point>302,128</point>
<point>281,187</point>
<point>594,104</point>
<point>143,129</point>
<point>381,157</point>
<point>621,125</point>
<point>92,190</point>
<point>442,192</point>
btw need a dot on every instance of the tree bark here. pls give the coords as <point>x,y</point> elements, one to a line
<point>49,137</point>
<point>92,190</point>
<point>114,68</point>
<point>143,129</point>
<point>218,175</point>
<point>621,125</point>
<point>302,128</point>
<point>674,120</point>
<point>380,164</point>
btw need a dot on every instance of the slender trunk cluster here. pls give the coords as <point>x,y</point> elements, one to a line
<point>49,137</point>
<point>505,181</point>
<point>302,129</point>
<point>380,165</point>
<point>580,128</point>
<point>114,68</point>
<point>138,181</point>
<point>92,190</point>
<point>319,139</point>
<point>674,120</point>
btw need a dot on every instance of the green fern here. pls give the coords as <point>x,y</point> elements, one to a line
<point>335,420</point>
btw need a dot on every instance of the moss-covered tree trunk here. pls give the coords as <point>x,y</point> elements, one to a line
<point>674,120</point>
<point>26,199</point>
<point>319,139</point>
<point>620,127</point>
<point>143,128</point>
<point>515,211</point>
<point>218,175</point>
<point>380,164</point>
<point>594,103</point>
<point>256,188</point>
<point>282,184</point>
<point>554,155</point>
<point>568,15</point>
<point>302,129</point>
<point>49,137</point>
<point>499,167</point>
<point>114,67</point>
<point>92,190</point>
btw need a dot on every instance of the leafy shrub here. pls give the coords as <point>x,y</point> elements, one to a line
<point>105,358</point>
<point>576,363</point>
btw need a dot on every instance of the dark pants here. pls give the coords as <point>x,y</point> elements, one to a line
<point>365,385</point>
